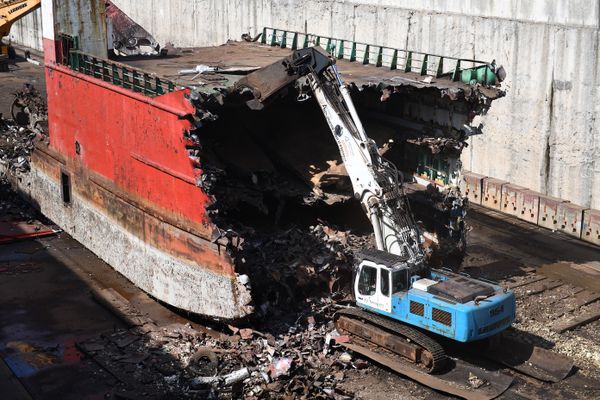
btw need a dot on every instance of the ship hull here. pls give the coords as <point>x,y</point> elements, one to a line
<point>125,236</point>
<point>120,183</point>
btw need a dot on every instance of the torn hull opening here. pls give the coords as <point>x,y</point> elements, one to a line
<point>280,188</point>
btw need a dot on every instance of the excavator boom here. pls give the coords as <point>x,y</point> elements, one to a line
<point>13,10</point>
<point>375,181</point>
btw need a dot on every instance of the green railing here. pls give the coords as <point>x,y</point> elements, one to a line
<point>119,74</point>
<point>457,69</point>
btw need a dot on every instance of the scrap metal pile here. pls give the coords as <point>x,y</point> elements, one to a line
<point>292,269</point>
<point>176,361</point>
<point>27,126</point>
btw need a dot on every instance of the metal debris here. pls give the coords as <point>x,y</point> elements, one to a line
<point>440,144</point>
<point>178,361</point>
<point>197,70</point>
<point>475,381</point>
<point>281,356</point>
<point>16,144</point>
<point>129,38</point>
<point>19,135</point>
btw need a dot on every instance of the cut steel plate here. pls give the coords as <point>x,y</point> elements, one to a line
<point>530,360</point>
<point>455,380</point>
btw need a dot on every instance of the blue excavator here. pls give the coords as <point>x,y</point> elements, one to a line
<point>394,281</point>
<point>415,319</point>
<point>401,301</point>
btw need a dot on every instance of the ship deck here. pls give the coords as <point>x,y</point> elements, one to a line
<point>244,57</point>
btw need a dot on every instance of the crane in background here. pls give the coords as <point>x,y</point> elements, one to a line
<point>10,12</point>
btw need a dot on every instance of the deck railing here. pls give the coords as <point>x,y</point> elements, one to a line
<point>426,64</point>
<point>120,74</point>
<point>113,72</point>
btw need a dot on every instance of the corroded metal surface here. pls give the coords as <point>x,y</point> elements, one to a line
<point>133,198</point>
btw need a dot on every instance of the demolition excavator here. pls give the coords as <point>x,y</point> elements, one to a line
<point>402,304</point>
<point>10,12</point>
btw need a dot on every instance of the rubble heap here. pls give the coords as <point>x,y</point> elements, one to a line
<point>19,135</point>
<point>177,361</point>
<point>291,269</point>
<point>299,278</point>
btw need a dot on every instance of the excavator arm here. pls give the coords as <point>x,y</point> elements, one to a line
<point>13,10</point>
<point>375,181</point>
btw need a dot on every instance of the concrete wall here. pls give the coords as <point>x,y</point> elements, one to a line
<point>542,136</point>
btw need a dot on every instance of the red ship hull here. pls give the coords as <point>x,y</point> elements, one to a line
<point>133,198</point>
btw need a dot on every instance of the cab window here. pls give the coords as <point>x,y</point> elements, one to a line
<point>367,281</point>
<point>385,282</point>
<point>399,281</point>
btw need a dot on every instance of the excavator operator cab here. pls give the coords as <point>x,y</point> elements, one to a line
<point>378,276</point>
<point>400,281</point>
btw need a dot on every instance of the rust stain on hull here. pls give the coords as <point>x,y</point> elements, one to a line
<point>166,232</point>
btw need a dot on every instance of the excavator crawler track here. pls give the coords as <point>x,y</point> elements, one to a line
<point>437,359</point>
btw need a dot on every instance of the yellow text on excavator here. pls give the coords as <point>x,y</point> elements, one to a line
<point>10,12</point>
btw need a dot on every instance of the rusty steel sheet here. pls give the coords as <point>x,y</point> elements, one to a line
<point>473,186</point>
<point>570,219</point>
<point>591,315</point>
<point>455,380</point>
<point>530,360</point>
<point>510,199</point>
<point>548,211</point>
<point>492,193</point>
<point>528,203</point>
<point>591,226</point>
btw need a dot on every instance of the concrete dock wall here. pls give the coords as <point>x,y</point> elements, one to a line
<point>543,135</point>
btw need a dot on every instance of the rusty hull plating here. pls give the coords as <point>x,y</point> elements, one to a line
<point>134,201</point>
